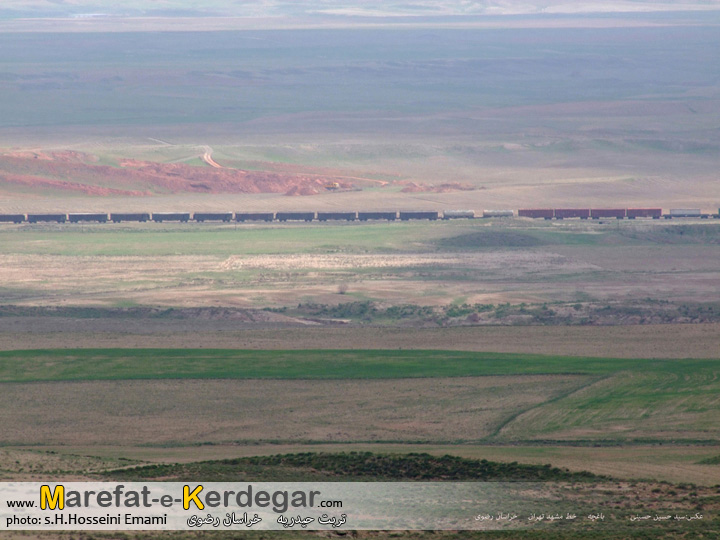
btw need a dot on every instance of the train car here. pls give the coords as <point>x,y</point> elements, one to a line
<point>405,216</point>
<point>365,216</point>
<point>655,213</point>
<point>459,214</point>
<point>537,213</point>
<point>12,218</point>
<point>295,216</point>
<point>254,216</point>
<point>617,213</point>
<point>337,216</point>
<point>565,213</point>
<point>685,212</point>
<point>87,217</point>
<point>213,216</point>
<point>141,217</point>
<point>45,218</point>
<point>498,213</point>
<point>159,217</point>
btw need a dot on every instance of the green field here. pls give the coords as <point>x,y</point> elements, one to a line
<point>584,399</point>
<point>119,364</point>
<point>570,422</point>
<point>168,239</point>
<point>453,236</point>
<point>224,240</point>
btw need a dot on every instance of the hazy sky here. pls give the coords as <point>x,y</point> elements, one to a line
<point>274,8</point>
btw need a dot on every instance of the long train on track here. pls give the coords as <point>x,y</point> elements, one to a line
<point>241,217</point>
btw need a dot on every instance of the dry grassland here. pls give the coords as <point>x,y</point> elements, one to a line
<point>221,411</point>
<point>671,464</point>
<point>645,341</point>
<point>494,275</point>
<point>261,280</point>
<point>39,465</point>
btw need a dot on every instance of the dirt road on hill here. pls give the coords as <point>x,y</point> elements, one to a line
<point>207,158</point>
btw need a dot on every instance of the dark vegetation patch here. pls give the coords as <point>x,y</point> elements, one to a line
<point>351,466</point>
<point>490,238</point>
<point>366,311</point>
<point>124,312</point>
<point>556,313</point>
<point>647,311</point>
<point>715,460</point>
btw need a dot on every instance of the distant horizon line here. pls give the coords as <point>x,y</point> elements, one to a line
<point>107,22</point>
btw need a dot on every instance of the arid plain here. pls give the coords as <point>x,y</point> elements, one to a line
<point>586,345</point>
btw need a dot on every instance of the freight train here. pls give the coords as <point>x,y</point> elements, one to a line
<point>241,217</point>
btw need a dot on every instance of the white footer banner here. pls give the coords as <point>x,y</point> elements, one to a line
<point>291,506</point>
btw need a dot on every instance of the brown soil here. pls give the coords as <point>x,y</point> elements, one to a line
<point>75,172</point>
<point>44,184</point>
